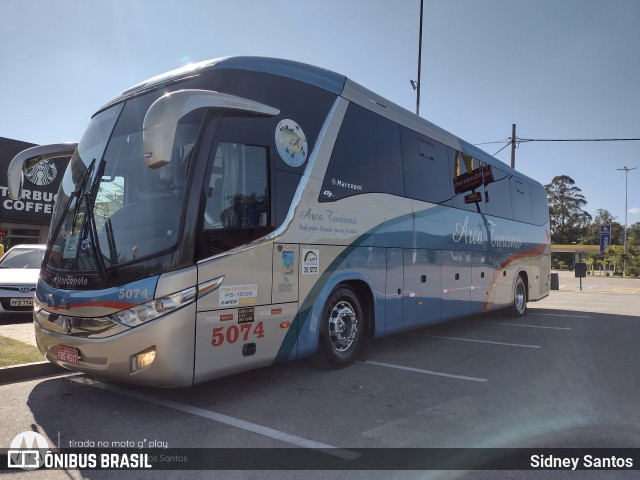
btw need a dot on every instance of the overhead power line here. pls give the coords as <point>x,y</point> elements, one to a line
<point>508,143</point>
<point>524,140</point>
<point>497,141</point>
<point>515,143</point>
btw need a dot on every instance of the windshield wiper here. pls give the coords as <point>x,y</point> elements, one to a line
<point>79,191</point>
<point>90,221</point>
<point>75,194</point>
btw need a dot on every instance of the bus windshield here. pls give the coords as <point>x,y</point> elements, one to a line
<point>115,209</point>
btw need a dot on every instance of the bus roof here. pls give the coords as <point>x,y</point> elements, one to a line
<point>327,80</point>
<point>319,77</point>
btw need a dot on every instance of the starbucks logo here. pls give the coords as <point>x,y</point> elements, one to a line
<point>43,173</point>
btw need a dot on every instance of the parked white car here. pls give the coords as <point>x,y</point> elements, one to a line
<point>19,271</point>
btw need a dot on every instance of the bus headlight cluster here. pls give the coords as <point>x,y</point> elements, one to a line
<point>146,312</point>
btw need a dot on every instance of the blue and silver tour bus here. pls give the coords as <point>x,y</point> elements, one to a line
<point>245,211</point>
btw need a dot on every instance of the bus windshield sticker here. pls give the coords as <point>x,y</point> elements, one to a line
<point>235,295</point>
<point>310,262</point>
<point>71,247</point>
<point>291,143</point>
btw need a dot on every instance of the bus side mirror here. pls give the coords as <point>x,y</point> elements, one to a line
<point>161,120</point>
<point>31,157</point>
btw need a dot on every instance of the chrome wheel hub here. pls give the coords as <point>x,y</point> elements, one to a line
<point>343,326</point>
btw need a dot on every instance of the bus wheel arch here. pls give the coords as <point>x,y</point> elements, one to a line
<point>345,325</point>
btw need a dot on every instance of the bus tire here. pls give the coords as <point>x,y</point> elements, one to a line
<point>341,329</point>
<point>519,303</point>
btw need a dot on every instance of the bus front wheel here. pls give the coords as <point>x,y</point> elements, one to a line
<point>341,329</point>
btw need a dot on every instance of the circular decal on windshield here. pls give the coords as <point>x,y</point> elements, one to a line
<point>291,143</point>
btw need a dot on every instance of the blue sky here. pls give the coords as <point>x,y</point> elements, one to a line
<point>559,69</point>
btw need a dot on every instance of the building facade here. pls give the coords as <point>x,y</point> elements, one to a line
<point>27,219</point>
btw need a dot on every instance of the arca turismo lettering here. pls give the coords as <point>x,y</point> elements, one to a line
<point>464,232</point>
<point>329,215</point>
<point>469,235</point>
<point>504,240</point>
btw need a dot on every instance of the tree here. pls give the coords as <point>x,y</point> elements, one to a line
<point>616,255</point>
<point>633,231</point>
<point>568,220</point>
<point>603,217</point>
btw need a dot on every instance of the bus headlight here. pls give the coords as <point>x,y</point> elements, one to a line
<point>146,312</point>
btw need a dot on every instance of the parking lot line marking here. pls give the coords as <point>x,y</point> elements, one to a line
<point>225,419</point>
<point>426,372</point>
<point>477,341</point>
<point>531,326</point>
<point>626,290</point>
<point>559,315</point>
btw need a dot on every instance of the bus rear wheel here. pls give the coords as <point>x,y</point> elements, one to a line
<point>519,305</point>
<point>341,329</point>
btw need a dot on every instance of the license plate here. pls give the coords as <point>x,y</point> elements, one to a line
<point>21,302</point>
<point>67,355</point>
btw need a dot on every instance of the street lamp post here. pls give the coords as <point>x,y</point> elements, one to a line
<point>416,83</point>
<point>626,171</point>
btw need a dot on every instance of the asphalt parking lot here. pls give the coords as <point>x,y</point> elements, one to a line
<point>564,376</point>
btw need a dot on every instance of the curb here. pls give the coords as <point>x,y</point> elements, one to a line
<point>28,371</point>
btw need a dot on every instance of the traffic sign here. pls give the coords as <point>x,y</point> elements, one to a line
<point>605,237</point>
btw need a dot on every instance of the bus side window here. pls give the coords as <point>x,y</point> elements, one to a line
<point>520,201</point>
<point>366,157</point>
<point>237,209</point>
<point>238,185</point>
<point>539,205</point>
<point>426,168</point>
<point>497,192</point>
<point>468,188</point>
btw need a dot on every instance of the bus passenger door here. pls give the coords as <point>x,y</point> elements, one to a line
<point>421,301</point>
<point>393,290</point>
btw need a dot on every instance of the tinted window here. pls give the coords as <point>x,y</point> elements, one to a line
<point>539,205</point>
<point>497,192</point>
<point>468,191</point>
<point>238,188</point>
<point>426,168</point>
<point>237,209</point>
<point>301,103</point>
<point>521,201</point>
<point>366,157</point>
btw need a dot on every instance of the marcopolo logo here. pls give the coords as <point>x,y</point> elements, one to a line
<point>27,451</point>
<point>43,173</point>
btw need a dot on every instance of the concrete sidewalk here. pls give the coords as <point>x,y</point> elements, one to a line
<point>598,284</point>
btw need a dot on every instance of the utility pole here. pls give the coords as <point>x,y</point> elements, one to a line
<point>513,146</point>
<point>626,171</point>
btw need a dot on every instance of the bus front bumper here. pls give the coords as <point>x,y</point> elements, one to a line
<point>159,353</point>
